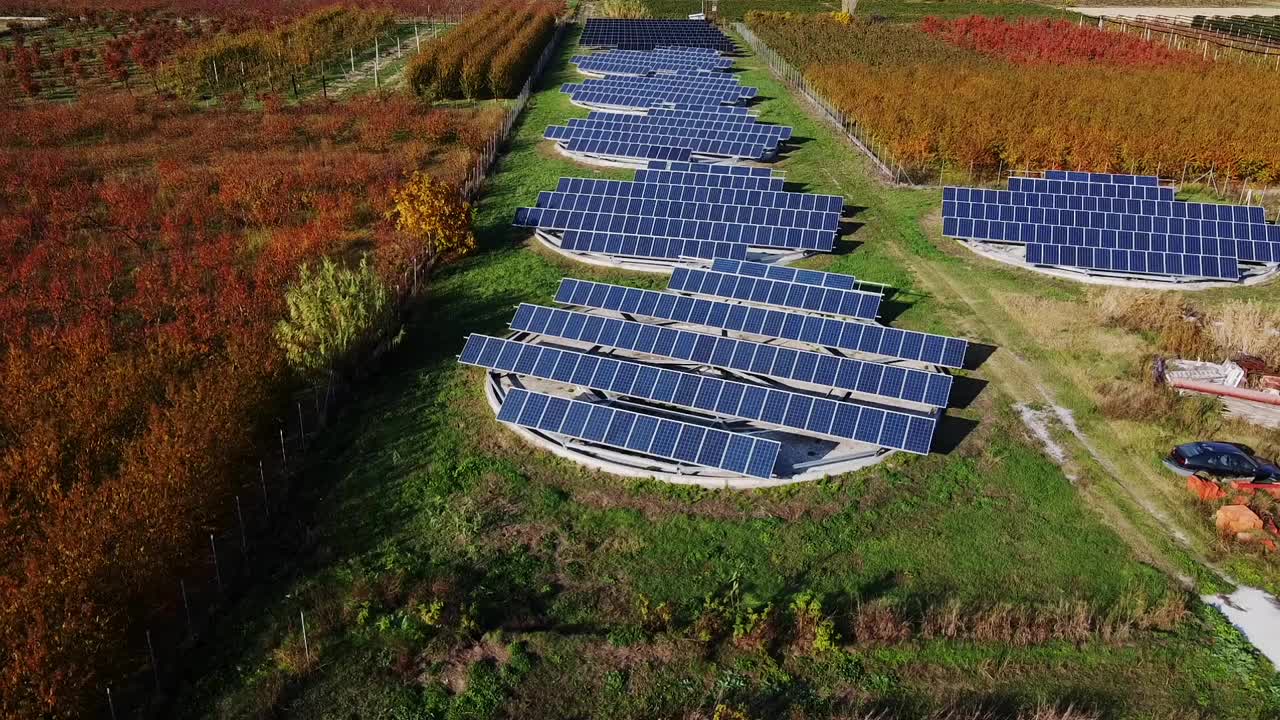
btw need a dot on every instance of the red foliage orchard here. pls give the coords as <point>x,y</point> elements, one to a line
<point>1057,42</point>
<point>144,251</point>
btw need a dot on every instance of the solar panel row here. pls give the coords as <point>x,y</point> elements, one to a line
<point>830,301</point>
<point>783,409</point>
<point>727,196</point>
<point>650,34</point>
<point>769,323</point>
<point>1070,187</point>
<point>1121,234</point>
<point>1247,214</point>
<point>733,145</point>
<point>624,121</point>
<point>786,274</point>
<point>749,234</point>
<point>631,62</point>
<point>626,430</point>
<point>738,182</point>
<point>608,148</point>
<point>1118,179</point>
<point>675,210</point>
<point>823,369</point>
<point>649,247</point>
<point>1134,261</point>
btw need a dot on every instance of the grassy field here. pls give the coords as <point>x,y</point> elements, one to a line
<point>446,570</point>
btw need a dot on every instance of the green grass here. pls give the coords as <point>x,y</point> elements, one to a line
<point>545,570</point>
<point>737,9</point>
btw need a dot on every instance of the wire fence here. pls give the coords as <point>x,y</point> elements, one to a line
<point>174,630</point>
<point>1179,33</point>
<point>1221,184</point>
<point>337,73</point>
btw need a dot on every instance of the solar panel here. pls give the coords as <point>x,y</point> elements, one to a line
<point>1207,212</point>
<point>655,61</point>
<point>723,196</point>
<point>1118,179</point>
<point>1109,190</point>
<point>793,411</point>
<point>707,112</point>
<point>830,301</point>
<point>663,438</point>
<point>739,182</point>
<point>607,148</point>
<point>786,274</point>
<point>674,210</point>
<point>1134,261</point>
<point>783,363</point>
<point>748,234</point>
<point>765,322</point>
<point>658,124</point>
<point>746,134</point>
<point>711,168</point>
<point>649,247</point>
<point>734,145</point>
<point>645,99</point>
<point>650,34</point>
<point>666,86</point>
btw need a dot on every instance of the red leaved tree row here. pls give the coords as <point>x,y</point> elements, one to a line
<point>145,248</point>
<point>1056,42</point>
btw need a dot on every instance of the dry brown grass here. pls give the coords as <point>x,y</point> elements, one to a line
<point>1140,310</point>
<point>1248,327</point>
<point>1144,401</point>
<point>294,657</point>
<point>1039,712</point>
<point>879,623</point>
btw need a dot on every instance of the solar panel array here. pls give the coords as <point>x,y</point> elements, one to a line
<point>651,34</point>
<point>656,61</point>
<point>1125,224</point>
<point>676,394</point>
<point>784,409</point>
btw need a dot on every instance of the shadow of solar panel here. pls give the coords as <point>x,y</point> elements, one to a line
<point>787,274</point>
<point>637,432</point>
<point>765,322</point>
<point>894,382</point>
<point>649,247</point>
<point>780,408</point>
<point>831,301</point>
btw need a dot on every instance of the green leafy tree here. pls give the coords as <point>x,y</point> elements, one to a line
<point>335,313</point>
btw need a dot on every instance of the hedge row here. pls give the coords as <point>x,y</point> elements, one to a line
<point>488,55</point>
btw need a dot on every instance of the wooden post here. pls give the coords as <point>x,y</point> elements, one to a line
<point>377,60</point>
<point>353,60</point>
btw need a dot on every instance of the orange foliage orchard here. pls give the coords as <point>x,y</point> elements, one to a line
<point>145,248</point>
<point>933,103</point>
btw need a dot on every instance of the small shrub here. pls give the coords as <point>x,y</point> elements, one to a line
<point>814,633</point>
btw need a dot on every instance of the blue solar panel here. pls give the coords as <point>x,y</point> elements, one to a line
<point>738,182</point>
<point>1108,190</point>
<point>649,34</point>
<point>680,81</point>
<point>727,144</point>
<point>765,322</point>
<point>721,196</point>
<point>772,406</point>
<point>728,212</point>
<point>787,274</point>
<point>1119,179</point>
<point>649,247</point>
<point>831,301</point>
<point>783,363</point>
<point>1134,261</point>
<point>1153,209</point>
<point>711,168</point>
<point>663,60</point>
<point>769,134</point>
<point>645,434</point>
<point>626,144</point>
<point>637,151</point>
<point>762,236</point>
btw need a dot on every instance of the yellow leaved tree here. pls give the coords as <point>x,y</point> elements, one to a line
<point>434,217</point>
